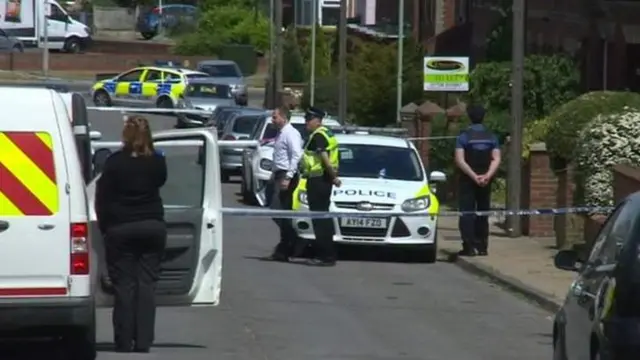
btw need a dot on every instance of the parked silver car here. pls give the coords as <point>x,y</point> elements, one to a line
<point>203,94</point>
<point>228,72</point>
<point>10,43</point>
<point>238,127</point>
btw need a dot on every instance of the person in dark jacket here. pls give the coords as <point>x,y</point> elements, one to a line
<point>131,218</point>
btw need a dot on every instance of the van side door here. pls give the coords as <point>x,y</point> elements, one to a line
<point>191,269</point>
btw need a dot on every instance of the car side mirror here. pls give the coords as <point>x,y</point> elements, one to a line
<point>98,160</point>
<point>437,176</point>
<point>566,260</point>
<point>95,135</point>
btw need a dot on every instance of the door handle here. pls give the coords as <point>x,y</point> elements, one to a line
<point>4,225</point>
<point>46,226</point>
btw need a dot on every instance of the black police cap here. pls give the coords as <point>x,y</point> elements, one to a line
<point>314,112</point>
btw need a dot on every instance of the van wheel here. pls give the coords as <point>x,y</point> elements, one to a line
<point>101,98</point>
<point>80,343</point>
<point>72,45</point>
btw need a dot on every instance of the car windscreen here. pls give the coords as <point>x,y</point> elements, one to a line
<point>223,117</point>
<point>226,70</point>
<point>244,124</point>
<point>212,91</point>
<point>384,162</point>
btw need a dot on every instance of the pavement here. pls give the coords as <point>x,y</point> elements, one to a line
<point>373,306</point>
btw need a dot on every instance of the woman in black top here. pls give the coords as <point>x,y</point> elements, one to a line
<point>131,218</point>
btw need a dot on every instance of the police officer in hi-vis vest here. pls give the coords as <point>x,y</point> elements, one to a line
<point>320,167</point>
<point>477,156</point>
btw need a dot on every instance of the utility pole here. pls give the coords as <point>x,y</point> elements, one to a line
<point>45,40</point>
<point>279,43</point>
<point>314,30</point>
<point>400,60</point>
<point>270,92</point>
<point>342,61</point>
<point>514,171</point>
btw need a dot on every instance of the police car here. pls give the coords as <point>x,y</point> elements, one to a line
<point>256,163</point>
<point>381,174</point>
<point>146,86</point>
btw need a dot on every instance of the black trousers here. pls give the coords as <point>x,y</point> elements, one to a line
<point>319,198</point>
<point>474,230</point>
<point>134,253</point>
<point>280,199</point>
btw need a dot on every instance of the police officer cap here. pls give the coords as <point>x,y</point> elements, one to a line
<point>314,112</point>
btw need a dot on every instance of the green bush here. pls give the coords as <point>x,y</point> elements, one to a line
<point>534,132</point>
<point>326,96</point>
<point>549,81</point>
<point>566,122</point>
<point>292,66</point>
<point>224,25</point>
<point>323,53</point>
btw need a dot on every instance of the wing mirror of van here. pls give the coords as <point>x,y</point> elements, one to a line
<point>98,160</point>
<point>95,135</point>
<point>437,176</point>
<point>566,260</point>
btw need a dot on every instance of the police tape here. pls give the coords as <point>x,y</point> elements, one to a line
<point>292,214</point>
<point>125,110</point>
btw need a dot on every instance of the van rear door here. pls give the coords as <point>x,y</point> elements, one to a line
<point>191,268</point>
<point>34,210</point>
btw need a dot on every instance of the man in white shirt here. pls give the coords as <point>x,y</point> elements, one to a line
<point>287,152</point>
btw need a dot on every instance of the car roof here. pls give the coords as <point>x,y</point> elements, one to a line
<point>373,140</point>
<point>208,81</point>
<point>181,70</point>
<point>217,62</point>
<point>298,119</point>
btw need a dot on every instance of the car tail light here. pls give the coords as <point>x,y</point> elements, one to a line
<point>79,249</point>
<point>229,137</point>
<point>156,10</point>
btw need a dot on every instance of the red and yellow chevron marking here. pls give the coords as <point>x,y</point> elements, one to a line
<point>27,174</point>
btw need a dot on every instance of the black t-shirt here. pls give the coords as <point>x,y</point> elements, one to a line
<point>318,144</point>
<point>129,189</point>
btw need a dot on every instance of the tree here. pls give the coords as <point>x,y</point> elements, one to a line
<point>500,38</point>
<point>293,67</point>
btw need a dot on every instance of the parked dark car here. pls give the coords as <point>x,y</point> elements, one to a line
<point>600,318</point>
<point>169,16</point>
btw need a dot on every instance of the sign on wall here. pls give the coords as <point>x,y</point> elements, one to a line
<point>446,73</point>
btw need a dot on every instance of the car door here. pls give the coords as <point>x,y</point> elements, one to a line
<point>248,152</point>
<point>128,88</point>
<point>150,86</point>
<point>585,293</point>
<point>191,268</point>
<point>57,23</point>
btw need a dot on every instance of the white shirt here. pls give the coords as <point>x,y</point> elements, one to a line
<point>287,150</point>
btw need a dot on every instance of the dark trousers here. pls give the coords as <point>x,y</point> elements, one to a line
<point>319,198</point>
<point>474,230</point>
<point>281,199</point>
<point>134,252</point>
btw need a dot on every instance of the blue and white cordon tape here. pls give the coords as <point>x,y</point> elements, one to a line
<point>290,214</point>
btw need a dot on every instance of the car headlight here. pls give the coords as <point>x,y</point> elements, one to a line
<point>302,197</point>
<point>266,164</point>
<point>416,204</point>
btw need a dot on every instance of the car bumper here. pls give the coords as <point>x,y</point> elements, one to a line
<point>28,313</point>
<point>399,231</point>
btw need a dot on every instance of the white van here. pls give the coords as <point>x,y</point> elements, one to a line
<point>51,254</point>
<point>25,21</point>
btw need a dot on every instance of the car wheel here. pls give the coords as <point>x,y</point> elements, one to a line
<point>225,176</point>
<point>72,45</point>
<point>17,48</point>
<point>101,98</point>
<point>148,35</point>
<point>558,348</point>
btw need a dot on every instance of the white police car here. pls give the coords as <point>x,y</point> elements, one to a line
<point>380,174</point>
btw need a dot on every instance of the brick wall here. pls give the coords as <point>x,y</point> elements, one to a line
<point>542,190</point>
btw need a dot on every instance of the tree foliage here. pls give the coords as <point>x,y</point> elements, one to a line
<point>223,25</point>
<point>500,38</point>
<point>549,81</point>
<point>293,67</point>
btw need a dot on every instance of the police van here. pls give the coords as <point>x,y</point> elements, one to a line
<point>51,253</point>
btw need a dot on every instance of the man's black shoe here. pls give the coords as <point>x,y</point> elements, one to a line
<point>321,262</point>
<point>466,252</point>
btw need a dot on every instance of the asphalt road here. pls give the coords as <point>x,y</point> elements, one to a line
<point>372,306</point>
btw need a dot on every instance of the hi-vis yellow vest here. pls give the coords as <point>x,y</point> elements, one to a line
<point>311,161</point>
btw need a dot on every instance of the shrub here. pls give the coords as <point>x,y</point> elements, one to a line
<point>534,132</point>
<point>223,25</point>
<point>609,140</point>
<point>323,53</point>
<point>326,96</point>
<point>292,66</point>
<point>573,116</point>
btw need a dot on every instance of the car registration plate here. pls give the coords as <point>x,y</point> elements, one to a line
<point>375,223</point>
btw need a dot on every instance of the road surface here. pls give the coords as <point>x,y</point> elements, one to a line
<point>369,307</point>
